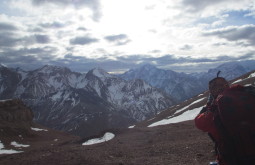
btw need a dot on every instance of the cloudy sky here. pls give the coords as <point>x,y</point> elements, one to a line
<point>116,35</point>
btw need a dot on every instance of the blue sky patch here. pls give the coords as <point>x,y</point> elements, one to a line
<point>239,18</point>
<point>232,18</point>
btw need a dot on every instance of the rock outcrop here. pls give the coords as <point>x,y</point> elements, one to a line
<point>15,118</point>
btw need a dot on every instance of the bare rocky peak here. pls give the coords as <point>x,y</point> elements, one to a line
<point>99,73</point>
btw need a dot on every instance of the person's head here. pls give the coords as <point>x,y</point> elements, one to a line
<point>217,86</point>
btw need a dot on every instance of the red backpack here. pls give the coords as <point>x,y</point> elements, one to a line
<point>235,121</point>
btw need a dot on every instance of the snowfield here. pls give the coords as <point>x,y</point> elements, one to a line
<point>188,115</point>
<point>107,136</point>
<point>199,100</point>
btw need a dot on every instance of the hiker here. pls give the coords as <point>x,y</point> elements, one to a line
<point>229,119</point>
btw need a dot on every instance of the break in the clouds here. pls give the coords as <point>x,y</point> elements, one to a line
<point>207,6</point>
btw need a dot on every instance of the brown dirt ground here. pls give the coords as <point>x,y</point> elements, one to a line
<point>174,144</point>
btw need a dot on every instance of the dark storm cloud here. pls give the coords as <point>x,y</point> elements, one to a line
<point>42,39</point>
<point>120,39</point>
<point>11,36</point>
<point>94,5</point>
<point>11,58</point>
<point>8,40</point>
<point>246,33</point>
<point>27,58</point>
<point>40,53</point>
<point>7,27</point>
<point>83,40</point>
<point>12,39</point>
<point>8,36</point>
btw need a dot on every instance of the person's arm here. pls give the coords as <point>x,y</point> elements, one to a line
<point>204,120</point>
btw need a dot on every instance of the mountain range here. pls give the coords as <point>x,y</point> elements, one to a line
<point>82,104</point>
<point>85,104</point>
<point>182,86</point>
<point>170,137</point>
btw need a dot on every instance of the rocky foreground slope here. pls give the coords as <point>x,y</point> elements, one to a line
<point>178,144</point>
<point>173,144</point>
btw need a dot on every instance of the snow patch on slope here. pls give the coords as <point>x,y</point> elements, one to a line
<point>188,115</point>
<point>38,129</point>
<point>250,76</point>
<point>107,136</point>
<point>15,144</point>
<point>4,151</point>
<point>180,110</point>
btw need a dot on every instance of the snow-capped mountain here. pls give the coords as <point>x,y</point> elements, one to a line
<point>230,70</point>
<point>87,103</point>
<point>82,103</point>
<point>180,86</point>
<point>47,80</point>
<point>189,109</point>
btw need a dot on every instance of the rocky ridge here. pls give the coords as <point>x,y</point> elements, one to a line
<point>82,104</point>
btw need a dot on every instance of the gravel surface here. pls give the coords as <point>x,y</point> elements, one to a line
<point>174,144</point>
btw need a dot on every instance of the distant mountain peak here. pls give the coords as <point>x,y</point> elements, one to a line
<point>53,68</point>
<point>2,65</point>
<point>148,66</point>
<point>99,72</point>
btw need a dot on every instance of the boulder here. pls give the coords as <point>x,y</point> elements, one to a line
<point>15,118</point>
